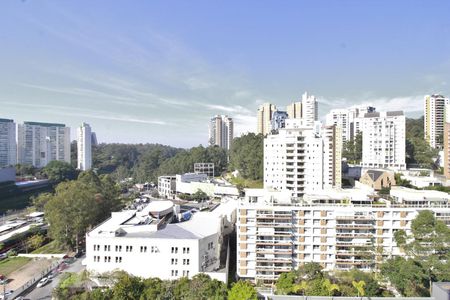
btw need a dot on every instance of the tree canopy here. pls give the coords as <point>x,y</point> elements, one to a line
<point>247,156</point>
<point>57,171</point>
<point>352,149</point>
<point>78,205</point>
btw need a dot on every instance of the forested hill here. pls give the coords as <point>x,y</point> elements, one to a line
<point>145,162</point>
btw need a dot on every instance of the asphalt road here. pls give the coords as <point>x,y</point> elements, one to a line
<point>45,292</point>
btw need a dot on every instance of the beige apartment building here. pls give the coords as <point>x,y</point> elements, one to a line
<point>277,233</point>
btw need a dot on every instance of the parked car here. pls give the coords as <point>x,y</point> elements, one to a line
<point>43,282</point>
<point>4,296</point>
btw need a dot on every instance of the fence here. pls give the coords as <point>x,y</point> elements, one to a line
<point>30,283</point>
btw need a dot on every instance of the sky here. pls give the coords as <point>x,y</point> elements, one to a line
<point>157,71</point>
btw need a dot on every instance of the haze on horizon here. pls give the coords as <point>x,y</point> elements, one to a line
<point>157,71</point>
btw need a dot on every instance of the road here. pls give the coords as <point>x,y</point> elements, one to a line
<point>45,292</point>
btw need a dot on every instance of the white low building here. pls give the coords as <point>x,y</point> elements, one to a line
<point>145,243</point>
<point>190,183</point>
<point>166,186</point>
<point>405,195</point>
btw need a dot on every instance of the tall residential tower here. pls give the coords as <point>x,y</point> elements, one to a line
<point>265,113</point>
<point>8,154</point>
<point>221,131</point>
<point>40,143</point>
<point>434,119</point>
<point>84,147</point>
<point>384,140</point>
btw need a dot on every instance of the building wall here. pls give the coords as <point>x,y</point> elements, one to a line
<point>166,185</point>
<point>8,147</point>
<point>275,239</point>
<point>158,259</point>
<point>264,118</point>
<point>447,150</point>
<point>384,140</point>
<point>434,119</point>
<point>41,143</point>
<point>294,110</point>
<point>221,130</point>
<point>84,147</point>
<point>301,159</point>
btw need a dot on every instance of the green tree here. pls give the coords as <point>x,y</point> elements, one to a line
<point>153,289</point>
<point>78,205</point>
<point>128,287</point>
<point>407,275</point>
<point>330,287</point>
<point>242,290</point>
<point>35,241</point>
<point>309,271</point>
<point>285,283</point>
<point>246,156</point>
<point>58,171</point>
<point>352,149</point>
<point>40,201</point>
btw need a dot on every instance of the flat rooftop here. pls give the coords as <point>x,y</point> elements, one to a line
<point>132,224</point>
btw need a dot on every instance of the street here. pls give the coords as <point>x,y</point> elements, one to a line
<point>45,292</point>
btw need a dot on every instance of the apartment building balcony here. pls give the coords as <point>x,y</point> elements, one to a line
<point>354,234</point>
<point>275,216</point>
<point>354,226</point>
<point>273,268</point>
<point>355,217</point>
<point>273,251</point>
<point>274,243</point>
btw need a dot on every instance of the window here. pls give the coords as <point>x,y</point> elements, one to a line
<point>118,248</point>
<point>185,250</point>
<point>210,245</point>
<point>174,272</point>
<point>129,248</point>
<point>175,250</point>
<point>186,261</point>
<point>143,248</point>
<point>174,261</point>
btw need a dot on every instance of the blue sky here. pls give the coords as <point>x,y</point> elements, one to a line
<point>156,71</point>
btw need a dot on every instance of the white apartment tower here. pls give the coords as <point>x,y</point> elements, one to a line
<point>8,151</point>
<point>84,147</point>
<point>302,159</point>
<point>309,109</point>
<point>348,119</point>
<point>384,140</point>
<point>221,131</point>
<point>434,119</point>
<point>264,118</point>
<point>40,143</point>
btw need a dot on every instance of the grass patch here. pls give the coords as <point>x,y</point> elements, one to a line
<point>69,279</point>
<point>50,248</point>
<point>246,183</point>
<point>11,264</point>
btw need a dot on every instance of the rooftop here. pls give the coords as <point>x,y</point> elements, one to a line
<point>44,124</point>
<point>142,224</point>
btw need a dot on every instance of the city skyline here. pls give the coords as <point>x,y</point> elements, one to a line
<point>147,73</point>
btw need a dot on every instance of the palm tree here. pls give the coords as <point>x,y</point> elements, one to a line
<point>330,287</point>
<point>359,286</point>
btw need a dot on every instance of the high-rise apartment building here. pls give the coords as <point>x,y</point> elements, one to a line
<point>384,140</point>
<point>264,118</point>
<point>309,109</point>
<point>277,234</point>
<point>40,143</point>
<point>8,152</point>
<point>434,119</point>
<point>302,159</point>
<point>349,120</point>
<point>294,110</point>
<point>446,146</point>
<point>84,147</point>
<point>221,131</point>
<point>278,120</point>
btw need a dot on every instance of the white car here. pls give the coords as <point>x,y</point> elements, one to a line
<point>6,294</point>
<point>42,282</point>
